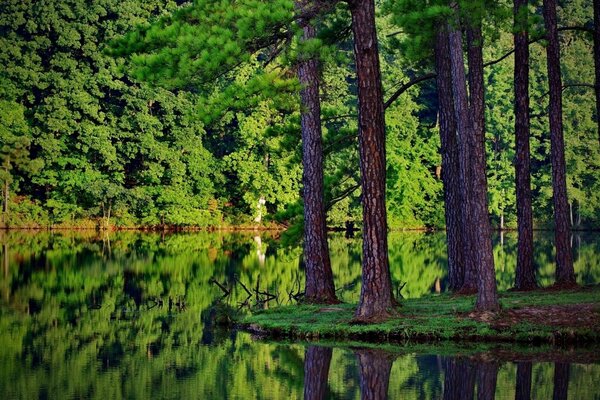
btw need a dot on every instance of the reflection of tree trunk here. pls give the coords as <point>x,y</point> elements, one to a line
<point>487,375</point>
<point>316,371</point>
<point>319,277</point>
<point>5,259</point>
<point>376,298</point>
<point>564,260</point>
<point>523,390</point>
<point>450,163</point>
<point>561,381</point>
<point>459,379</point>
<point>374,367</point>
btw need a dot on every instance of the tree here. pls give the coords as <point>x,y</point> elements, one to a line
<point>565,274</point>
<point>376,298</point>
<point>472,157</point>
<point>525,274</point>
<point>319,278</point>
<point>453,196</point>
<point>597,60</point>
<point>15,139</point>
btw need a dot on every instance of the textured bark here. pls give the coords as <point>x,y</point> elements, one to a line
<point>450,163</point>
<point>319,277</point>
<point>564,259</point>
<point>561,381</point>
<point>487,295</point>
<point>459,379</point>
<point>374,369</point>
<point>597,60</point>
<point>463,132</point>
<point>524,373</point>
<point>376,299</point>
<point>487,376</point>
<point>525,274</point>
<point>316,371</point>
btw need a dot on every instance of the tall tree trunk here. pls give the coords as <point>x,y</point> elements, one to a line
<point>597,60</point>
<point>525,274</point>
<point>463,127</point>
<point>524,372</point>
<point>564,259</point>
<point>487,376</point>
<point>374,369</point>
<point>319,277</point>
<point>450,163</point>
<point>376,299</point>
<point>561,381</point>
<point>316,371</point>
<point>487,295</point>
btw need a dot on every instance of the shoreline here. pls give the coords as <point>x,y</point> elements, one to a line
<point>542,317</point>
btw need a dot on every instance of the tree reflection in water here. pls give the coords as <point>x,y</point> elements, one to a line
<point>316,372</point>
<point>374,367</point>
<point>523,390</point>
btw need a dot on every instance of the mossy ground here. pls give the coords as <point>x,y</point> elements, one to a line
<point>542,316</point>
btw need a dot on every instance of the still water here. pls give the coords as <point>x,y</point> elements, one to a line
<point>132,315</point>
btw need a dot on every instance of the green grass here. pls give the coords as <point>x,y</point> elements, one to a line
<point>433,318</point>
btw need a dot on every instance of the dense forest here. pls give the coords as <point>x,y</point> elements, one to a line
<point>194,117</point>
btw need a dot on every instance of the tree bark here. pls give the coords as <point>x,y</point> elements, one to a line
<point>374,369</point>
<point>597,60</point>
<point>524,372</point>
<point>376,299</point>
<point>463,132</point>
<point>565,273</point>
<point>525,274</point>
<point>487,296</point>
<point>450,163</point>
<point>316,371</point>
<point>561,381</point>
<point>319,277</point>
<point>487,376</point>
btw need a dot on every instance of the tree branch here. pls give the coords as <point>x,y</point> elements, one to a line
<point>432,75</point>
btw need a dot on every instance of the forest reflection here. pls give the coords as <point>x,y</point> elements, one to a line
<point>480,376</point>
<point>132,315</point>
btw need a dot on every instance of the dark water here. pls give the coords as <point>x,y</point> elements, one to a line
<point>127,315</point>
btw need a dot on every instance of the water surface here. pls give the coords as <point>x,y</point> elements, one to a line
<point>131,315</point>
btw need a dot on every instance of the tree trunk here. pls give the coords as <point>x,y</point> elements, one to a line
<point>523,390</point>
<point>316,371</point>
<point>487,376</point>
<point>597,60</point>
<point>319,277</point>
<point>463,127</point>
<point>450,163</point>
<point>564,259</point>
<point>376,299</point>
<point>374,368</point>
<point>5,198</point>
<point>487,296</point>
<point>561,381</point>
<point>525,274</point>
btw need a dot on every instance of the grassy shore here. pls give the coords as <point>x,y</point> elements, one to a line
<point>541,317</point>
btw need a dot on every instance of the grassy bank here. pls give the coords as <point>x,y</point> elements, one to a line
<point>540,317</point>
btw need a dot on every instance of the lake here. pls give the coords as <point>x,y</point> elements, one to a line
<point>133,315</point>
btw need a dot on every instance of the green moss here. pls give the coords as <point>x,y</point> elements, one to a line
<point>432,318</point>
